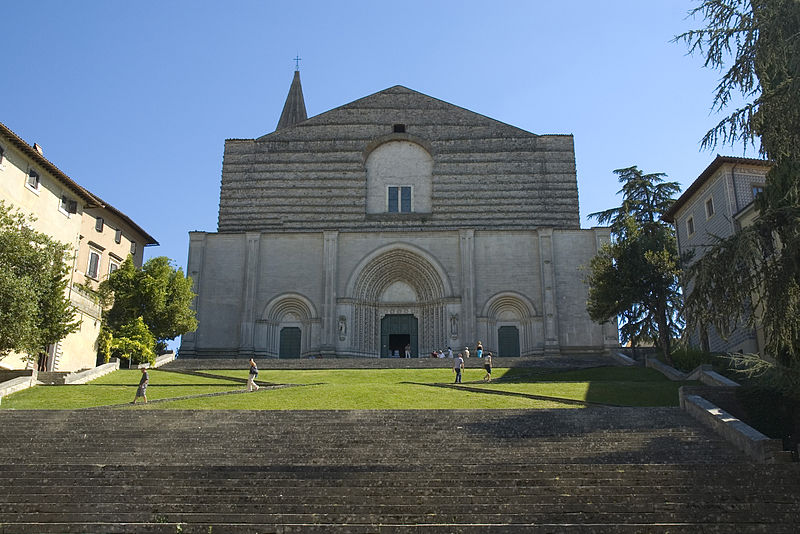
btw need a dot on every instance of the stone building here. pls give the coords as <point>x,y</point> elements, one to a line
<point>100,235</point>
<point>397,219</point>
<point>716,205</point>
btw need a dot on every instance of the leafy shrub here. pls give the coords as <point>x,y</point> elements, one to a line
<point>134,342</point>
<point>687,359</point>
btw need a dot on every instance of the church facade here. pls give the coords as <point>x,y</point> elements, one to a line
<point>397,221</point>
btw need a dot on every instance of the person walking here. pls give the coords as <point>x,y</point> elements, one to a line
<point>141,391</point>
<point>408,351</point>
<point>458,366</point>
<point>487,364</point>
<point>466,352</point>
<point>479,350</point>
<point>251,378</point>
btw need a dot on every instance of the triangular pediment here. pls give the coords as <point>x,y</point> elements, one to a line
<point>403,105</point>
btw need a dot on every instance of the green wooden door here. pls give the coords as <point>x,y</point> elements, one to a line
<point>290,342</point>
<point>508,341</point>
<point>397,331</point>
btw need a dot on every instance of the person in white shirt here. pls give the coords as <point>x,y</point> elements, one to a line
<point>458,366</point>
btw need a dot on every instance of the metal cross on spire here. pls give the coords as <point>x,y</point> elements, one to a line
<point>297,62</point>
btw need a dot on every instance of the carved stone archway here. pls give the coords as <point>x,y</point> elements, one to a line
<point>511,309</point>
<point>373,294</point>
<point>289,310</point>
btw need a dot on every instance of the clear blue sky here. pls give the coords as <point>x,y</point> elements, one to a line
<point>134,100</point>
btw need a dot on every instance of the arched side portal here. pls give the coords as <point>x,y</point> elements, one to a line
<point>399,280</point>
<point>510,324</point>
<point>288,321</point>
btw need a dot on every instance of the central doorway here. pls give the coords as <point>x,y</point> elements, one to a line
<point>398,331</point>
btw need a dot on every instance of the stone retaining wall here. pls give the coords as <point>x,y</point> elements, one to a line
<point>744,437</point>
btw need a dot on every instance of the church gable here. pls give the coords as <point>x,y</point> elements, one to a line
<point>407,106</point>
<point>315,175</point>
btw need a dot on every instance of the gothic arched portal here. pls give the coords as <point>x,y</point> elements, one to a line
<point>398,294</point>
<point>284,329</point>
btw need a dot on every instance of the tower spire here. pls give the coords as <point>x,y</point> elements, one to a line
<point>294,110</point>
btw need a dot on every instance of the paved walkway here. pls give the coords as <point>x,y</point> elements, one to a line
<point>564,362</point>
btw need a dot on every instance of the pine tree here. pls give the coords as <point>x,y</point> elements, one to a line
<point>757,45</point>
<point>635,277</point>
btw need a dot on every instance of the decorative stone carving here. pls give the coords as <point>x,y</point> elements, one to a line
<point>342,328</point>
<point>454,326</point>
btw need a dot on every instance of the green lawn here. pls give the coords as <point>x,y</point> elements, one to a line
<point>347,389</point>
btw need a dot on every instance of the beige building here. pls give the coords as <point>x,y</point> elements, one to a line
<point>100,235</point>
<point>398,220</point>
<point>717,204</point>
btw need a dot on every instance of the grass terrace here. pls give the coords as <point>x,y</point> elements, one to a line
<point>362,389</point>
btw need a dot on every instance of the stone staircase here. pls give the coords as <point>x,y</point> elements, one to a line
<point>599,469</point>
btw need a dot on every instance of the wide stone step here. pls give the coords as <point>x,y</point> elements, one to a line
<point>432,496</point>
<point>427,528</point>
<point>557,514</point>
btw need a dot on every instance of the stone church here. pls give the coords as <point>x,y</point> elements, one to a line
<point>395,220</point>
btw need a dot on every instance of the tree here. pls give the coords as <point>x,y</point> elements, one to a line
<point>158,293</point>
<point>758,268</point>
<point>635,277</point>
<point>34,308</point>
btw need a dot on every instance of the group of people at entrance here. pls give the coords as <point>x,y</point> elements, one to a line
<point>458,363</point>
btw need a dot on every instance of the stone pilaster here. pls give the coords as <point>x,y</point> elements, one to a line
<point>549,302</point>
<point>610,329</point>
<point>330,253</point>
<point>249,288</point>
<point>467,249</point>
<point>194,269</point>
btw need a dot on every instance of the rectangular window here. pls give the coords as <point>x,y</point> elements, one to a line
<point>709,208</point>
<point>94,264</point>
<point>133,247</point>
<point>68,205</point>
<point>33,180</point>
<point>118,237</point>
<point>399,199</point>
<point>757,190</point>
<point>112,266</point>
<point>98,224</point>
<point>2,153</point>
<point>690,225</point>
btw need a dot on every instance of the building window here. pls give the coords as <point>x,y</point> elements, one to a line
<point>690,225</point>
<point>94,264</point>
<point>68,205</point>
<point>33,180</point>
<point>399,199</point>
<point>709,208</point>
<point>112,266</point>
<point>757,190</point>
<point>2,154</point>
<point>118,237</point>
<point>399,128</point>
<point>133,247</point>
<point>98,224</point>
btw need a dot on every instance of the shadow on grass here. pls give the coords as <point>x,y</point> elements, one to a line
<point>204,374</point>
<point>531,396</point>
